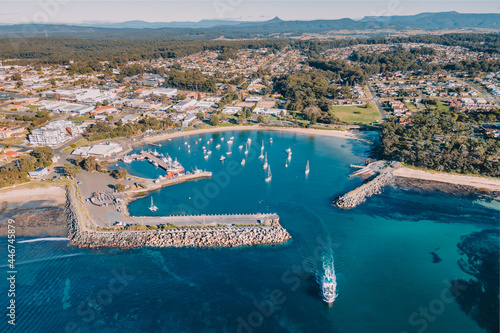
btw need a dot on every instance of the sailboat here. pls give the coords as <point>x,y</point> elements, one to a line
<point>269,175</point>
<point>153,208</point>
<point>307,168</point>
<point>262,150</point>
<point>243,162</point>
<point>265,162</point>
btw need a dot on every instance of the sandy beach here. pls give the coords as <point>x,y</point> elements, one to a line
<point>307,131</point>
<point>19,195</point>
<point>489,184</point>
<point>36,210</point>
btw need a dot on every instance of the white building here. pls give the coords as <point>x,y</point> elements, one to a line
<point>167,92</point>
<point>232,109</point>
<point>188,120</point>
<point>104,150</point>
<point>184,105</point>
<point>269,112</point>
<point>54,133</point>
<point>253,99</point>
<point>38,173</point>
<point>130,118</point>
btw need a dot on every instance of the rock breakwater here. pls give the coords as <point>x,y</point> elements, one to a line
<point>182,237</point>
<point>359,195</point>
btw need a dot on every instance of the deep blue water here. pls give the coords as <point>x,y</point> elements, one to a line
<point>382,249</point>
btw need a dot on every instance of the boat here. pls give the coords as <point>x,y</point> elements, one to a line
<point>222,158</point>
<point>265,162</point>
<point>288,151</point>
<point>249,141</point>
<point>307,168</point>
<point>229,142</point>
<point>206,157</point>
<point>269,175</point>
<point>243,162</point>
<point>153,208</point>
<point>218,146</point>
<point>246,152</point>
<point>155,164</point>
<point>209,152</point>
<point>240,147</point>
<point>211,139</point>
<point>204,148</point>
<point>286,164</point>
<point>228,153</point>
<point>262,150</point>
<point>199,139</point>
<point>185,142</point>
<point>222,139</point>
<point>127,159</point>
<point>271,140</point>
<point>329,282</point>
<point>231,138</point>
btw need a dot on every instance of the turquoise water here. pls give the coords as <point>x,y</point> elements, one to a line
<point>382,249</point>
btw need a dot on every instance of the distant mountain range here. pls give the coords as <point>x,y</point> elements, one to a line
<point>211,29</point>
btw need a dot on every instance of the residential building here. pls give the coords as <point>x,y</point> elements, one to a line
<point>54,133</point>
<point>38,173</point>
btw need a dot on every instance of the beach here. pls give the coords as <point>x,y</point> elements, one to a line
<point>36,210</point>
<point>477,182</point>
<point>306,131</point>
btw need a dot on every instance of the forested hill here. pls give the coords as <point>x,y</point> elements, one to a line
<point>274,28</point>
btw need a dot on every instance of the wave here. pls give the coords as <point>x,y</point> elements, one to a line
<point>45,259</point>
<point>47,239</point>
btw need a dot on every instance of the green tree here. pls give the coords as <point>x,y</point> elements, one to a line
<point>121,173</point>
<point>214,119</point>
<point>70,170</point>
<point>314,119</point>
<point>43,155</point>
<point>119,187</point>
<point>260,119</point>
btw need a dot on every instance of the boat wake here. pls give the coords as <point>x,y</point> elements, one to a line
<point>328,279</point>
<point>48,239</point>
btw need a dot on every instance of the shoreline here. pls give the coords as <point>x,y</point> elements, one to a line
<point>307,131</point>
<point>483,184</point>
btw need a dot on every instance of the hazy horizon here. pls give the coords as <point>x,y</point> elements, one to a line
<point>113,11</point>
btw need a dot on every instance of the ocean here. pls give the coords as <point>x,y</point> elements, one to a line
<point>397,256</point>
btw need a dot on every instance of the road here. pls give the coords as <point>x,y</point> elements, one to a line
<point>377,103</point>
<point>495,99</point>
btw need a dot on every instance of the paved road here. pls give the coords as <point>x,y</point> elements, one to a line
<point>377,103</point>
<point>495,99</point>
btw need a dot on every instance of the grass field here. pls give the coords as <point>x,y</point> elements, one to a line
<point>357,114</point>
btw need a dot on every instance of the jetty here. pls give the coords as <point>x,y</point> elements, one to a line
<point>155,159</point>
<point>384,175</point>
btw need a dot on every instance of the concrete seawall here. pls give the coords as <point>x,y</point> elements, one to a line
<point>359,195</point>
<point>227,236</point>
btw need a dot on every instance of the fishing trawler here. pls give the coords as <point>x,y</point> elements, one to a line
<point>269,175</point>
<point>307,168</point>
<point>265,162</point>
<point>329,282</point>
<point>153,208</point>
<point>127,159</point>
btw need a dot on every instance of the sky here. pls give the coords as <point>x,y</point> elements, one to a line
<point>78,11</point>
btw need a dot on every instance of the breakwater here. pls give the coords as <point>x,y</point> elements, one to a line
<point>227,236</point>
<point>359,195</point>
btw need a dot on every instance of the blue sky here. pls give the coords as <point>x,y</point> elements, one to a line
<point>70,11</point>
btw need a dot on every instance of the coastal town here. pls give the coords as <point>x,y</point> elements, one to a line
<point>232,166</point>
<point>76,121</point>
